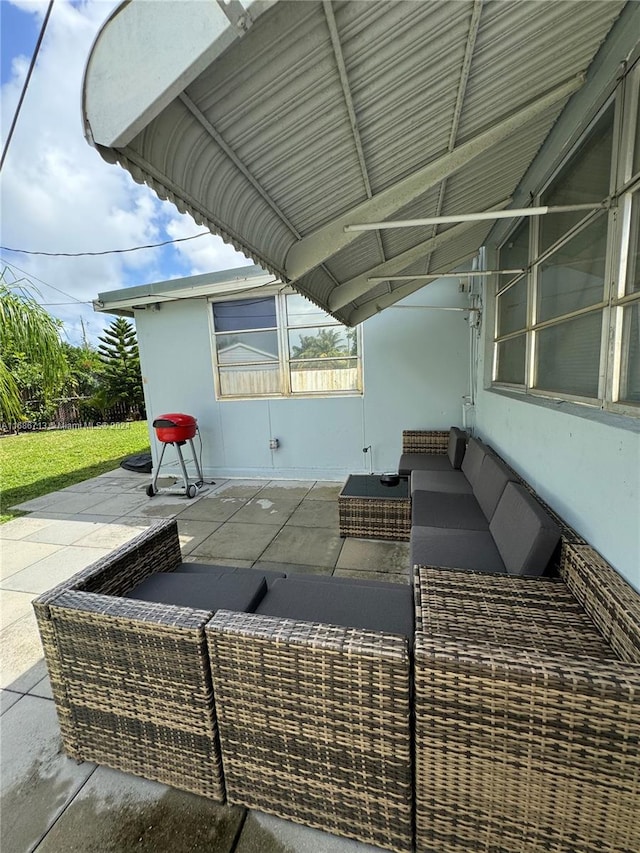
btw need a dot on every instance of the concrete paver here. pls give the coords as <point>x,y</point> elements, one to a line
<point>306,545</point>
<point>85,502</point>
<point>19,528</point>
<point>239,488</point>
<point>7,699</point>
<point>214,508</point>
<point>18,555</point>
<point>119,813</point>
<point>42,689</point>
<point>13,606</point>
<point>192,533</point>
<point>286,489</point>
<point>314,513</point>
<point>263,833</point>
<point>52,570</point>
<point>109,536</point>
<point>264,510</point>
<point>116,504</point>
<point>63,531</point>
<point>324,491</point>
<point>293,568</point>
<point>37,782</point>
<point>236,542</point>
<point>362,574</point>
<point>374,555</point>
<point>22,665</point>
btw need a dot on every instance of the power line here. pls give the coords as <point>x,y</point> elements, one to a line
<point>26,84</point>
<point>108,251</point>
<point>35,277</point>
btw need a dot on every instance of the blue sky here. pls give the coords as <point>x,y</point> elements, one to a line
<point>58,195</point>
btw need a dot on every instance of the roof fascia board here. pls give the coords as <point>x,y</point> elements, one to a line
<point>312,250</point>
<point>360,284</point>
<point>157,293</point>
<point>622,45</point>
<point>163,51</point>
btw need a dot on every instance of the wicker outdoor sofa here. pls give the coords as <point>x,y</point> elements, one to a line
<point>507,722</point>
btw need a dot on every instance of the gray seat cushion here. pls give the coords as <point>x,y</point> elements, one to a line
<point>472,550</point>
<point>490,483</point>
<point>525,535</point>
<point>205,568</point>
<point>440,481</point>
<point>456,447</point>
<point>473,457</point>
<point>227,591</point>
<point>423,462</point>
<point>388,610</point>
<point>438,509</point>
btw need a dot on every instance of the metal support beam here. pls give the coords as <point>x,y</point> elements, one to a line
<point>326,241</point>
<point>517,213</point>
<point>361,284</point>
<point>348,101</point>
<point>378,304</point>
<point>433,276</point>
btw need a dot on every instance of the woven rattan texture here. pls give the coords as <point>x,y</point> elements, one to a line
<point>373,518</point>
<point>511,612</point>
<point>607,598</point>
<point>425,441</point>
<point>156,549</point>
<point>131,679</point>
<point>523,744</point>
<point>314,724</point>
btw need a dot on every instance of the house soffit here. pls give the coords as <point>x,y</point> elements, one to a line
<point>320,114</point>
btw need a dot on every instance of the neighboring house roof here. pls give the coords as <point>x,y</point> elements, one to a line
<point>242,353</point>
<point>279,129</point>
<point>219,283</point>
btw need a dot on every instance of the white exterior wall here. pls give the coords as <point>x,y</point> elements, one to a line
<point>407,382</point>
<point>587,469</point>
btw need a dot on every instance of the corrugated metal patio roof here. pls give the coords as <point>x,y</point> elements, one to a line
<point>313,115</point>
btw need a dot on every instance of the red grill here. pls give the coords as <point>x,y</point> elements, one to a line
<point>175,427</point>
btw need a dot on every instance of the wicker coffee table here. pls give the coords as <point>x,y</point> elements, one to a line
<point>371,510</point>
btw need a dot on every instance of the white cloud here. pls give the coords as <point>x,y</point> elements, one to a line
<point>58,195</point>
<point>205,253</point>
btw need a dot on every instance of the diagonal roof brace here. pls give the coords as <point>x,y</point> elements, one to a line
<point>358,315</point>
<point>312,250</point>
<point>515,213</point>
<point>361,284</point>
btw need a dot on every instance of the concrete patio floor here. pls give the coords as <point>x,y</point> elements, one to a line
<point>49,803</point>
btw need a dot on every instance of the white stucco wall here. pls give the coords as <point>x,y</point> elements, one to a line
<point>416,372</point>
<point>589,471</point>
<point>584,462</point>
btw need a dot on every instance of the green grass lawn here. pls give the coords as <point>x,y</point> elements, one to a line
<point>34,464</point>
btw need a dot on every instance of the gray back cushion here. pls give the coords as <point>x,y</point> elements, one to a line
<point>472,461</point>
<point>524,534</point>
<point>490,484</point>
<point>457,446</point>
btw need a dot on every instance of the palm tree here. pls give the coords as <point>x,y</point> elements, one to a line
<point>30,329</point>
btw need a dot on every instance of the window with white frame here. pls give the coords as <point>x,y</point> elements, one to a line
<point>569,325</point>
<point>283,345</point>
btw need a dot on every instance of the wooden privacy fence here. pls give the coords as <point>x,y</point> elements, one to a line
<point>255,382</point>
